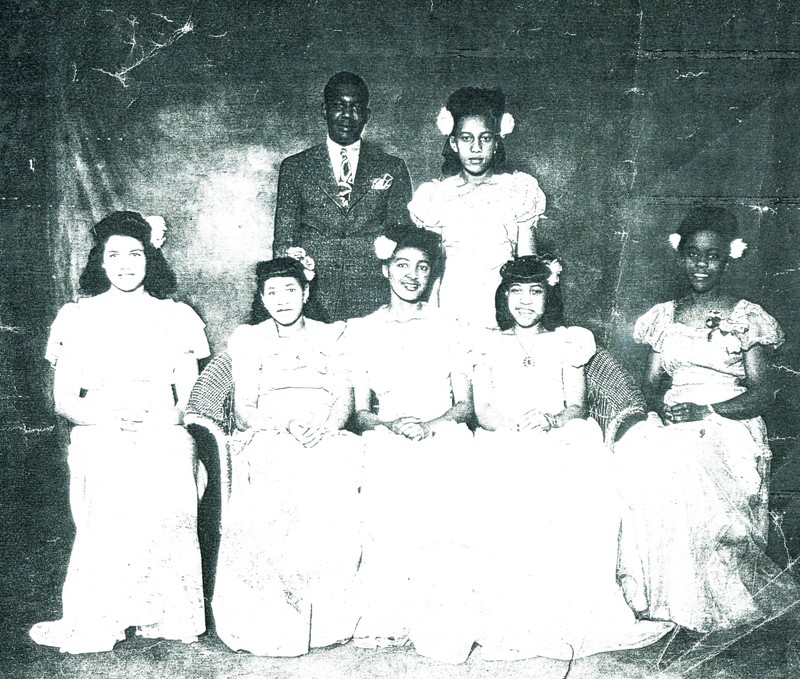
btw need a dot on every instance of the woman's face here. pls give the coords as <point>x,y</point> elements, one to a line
<point>526,303</point>
<point>475,143</point>
<point>283,298</point>
<point>125,263</point>
<point>704,258</point>
<point>408,273</point>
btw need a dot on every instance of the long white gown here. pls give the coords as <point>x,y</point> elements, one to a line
<point>414,527</point>
<point>133,495</point>
<point>290,544</point>
<point>694,532</point>
<point>548,515</point>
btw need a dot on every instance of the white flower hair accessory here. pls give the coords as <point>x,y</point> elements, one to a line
<point>506,124</point>
<point>306,260</point>
<point>738,246</point>
<point>445,122</point>
<point>675,240</point>
<point>555,272</point>
<point>384,247</point>
<point>158,230</point>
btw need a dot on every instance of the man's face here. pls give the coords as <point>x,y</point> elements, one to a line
<point>346,113</point>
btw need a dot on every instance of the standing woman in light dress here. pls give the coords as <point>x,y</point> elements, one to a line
<point>125,358</point>
<point>692,475</point>
<point>484,214</point>
<point>290,545</point>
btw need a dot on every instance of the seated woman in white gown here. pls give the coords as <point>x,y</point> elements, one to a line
<point>412,398</point>
<point>290,544</point>
<point>693,539</point>
<point>548,515</point>
<point>122,354</point>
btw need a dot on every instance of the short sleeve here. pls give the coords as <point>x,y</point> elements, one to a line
<point>530,201</point>
<point>759,326</point>
<point>578,345</point>
<point>190,334</point>
<point>62,331</point>
<point>425,205</point>
<point>650,327</point>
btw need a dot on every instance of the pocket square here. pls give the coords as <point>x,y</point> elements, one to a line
<point>381,183</point>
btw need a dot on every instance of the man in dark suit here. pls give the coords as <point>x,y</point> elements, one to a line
<point>334,200</point>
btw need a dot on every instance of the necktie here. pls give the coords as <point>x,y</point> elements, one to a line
<point>346,181</point>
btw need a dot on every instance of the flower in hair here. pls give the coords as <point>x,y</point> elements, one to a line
<point>555,272</point>
<point>158,230</point>
<point>738,246</point>
<point>506,124</point>
<point>384,247</point>
<point>445,121</point>
<point>307,261</point>
<point>675,240</point>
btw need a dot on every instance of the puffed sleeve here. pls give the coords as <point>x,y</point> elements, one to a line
<point>529,199</point>
<point>577,345</point>
<point>425,205</point>
<point>190,334</point>
<point>62,331</point>
<point>650,327</point>
<point>759,326</point>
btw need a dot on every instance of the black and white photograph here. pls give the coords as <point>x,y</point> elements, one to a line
<point>358,339</point>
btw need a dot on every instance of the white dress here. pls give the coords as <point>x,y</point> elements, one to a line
<point>693,539</point>
<point>133,495</point>
<point>290,543</point>
<point>414,529</point>
<point>548,518</point>
<point>479,225</point>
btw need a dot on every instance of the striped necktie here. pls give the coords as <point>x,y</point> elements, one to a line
<point>346,181</point>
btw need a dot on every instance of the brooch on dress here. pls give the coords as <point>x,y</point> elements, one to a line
<point>729,332</point>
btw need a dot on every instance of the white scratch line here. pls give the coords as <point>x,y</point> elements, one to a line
<point>10,328</point>
<point>763,209</point>
<point>690,74</point>
<point>31,430</point>
<point>218,35</point>
<point>788,370</point>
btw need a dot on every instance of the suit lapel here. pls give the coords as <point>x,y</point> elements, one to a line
<point>365,173</point>
<point>322,173</point>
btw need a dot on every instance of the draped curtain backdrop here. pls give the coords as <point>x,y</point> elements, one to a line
<point>627,112</point>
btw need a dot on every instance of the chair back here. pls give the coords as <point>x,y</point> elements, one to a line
<point>612,394</point>
<point>212,394</point>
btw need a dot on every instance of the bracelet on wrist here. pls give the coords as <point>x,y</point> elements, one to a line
<point>553,421</point>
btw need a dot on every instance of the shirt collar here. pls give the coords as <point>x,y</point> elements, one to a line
<point>336,149</point>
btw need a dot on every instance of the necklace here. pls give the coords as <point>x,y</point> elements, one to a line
<point>527,360</point>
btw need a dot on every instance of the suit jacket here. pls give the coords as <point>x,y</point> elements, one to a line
<point>308,214</point>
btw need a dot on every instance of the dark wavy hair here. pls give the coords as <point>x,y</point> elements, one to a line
<point>408,236</point>
<point>475,101</point>
<point>159,279</point>
<point>529,269</point>
<point>708,218</point>
<point>346,78</point>
<point>280,267</point>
